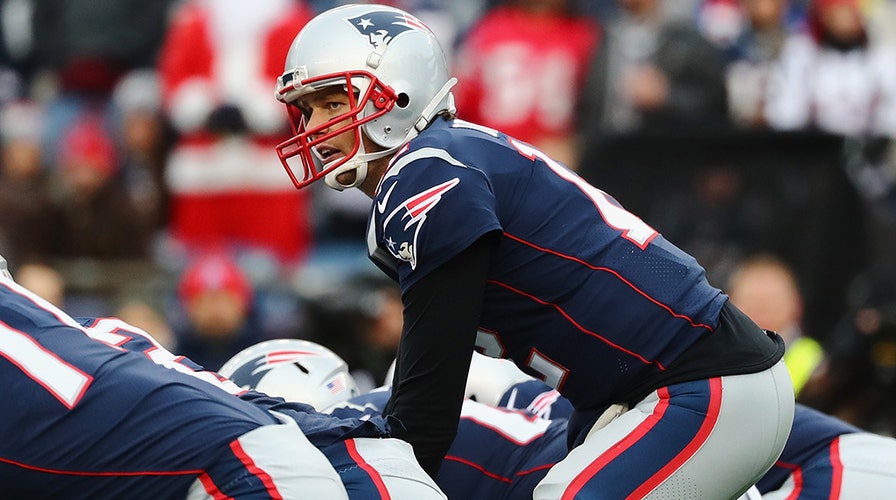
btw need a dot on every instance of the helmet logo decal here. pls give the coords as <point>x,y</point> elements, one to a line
<point>251,373</point>
<point>288,356</point>
<point>414,211</point>
<point>381,26</point>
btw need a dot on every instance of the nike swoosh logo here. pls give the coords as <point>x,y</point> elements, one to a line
<point>381,205</point>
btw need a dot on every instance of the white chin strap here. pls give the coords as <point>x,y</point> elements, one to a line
<point>359,161</point>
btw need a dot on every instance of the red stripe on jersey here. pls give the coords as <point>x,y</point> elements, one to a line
<point>712,416</point>
<point>623,445</point>
<point>374,475</point>
<point>265,478</point>
<point>797,476</point>
<point>797,484</point>
<point>479,468</point>
<point>614,273</point>
<point>837,469</point>
<point>535,469</point>
<point>99,473</point>
<point>211,488</point>
<point>580,327</point>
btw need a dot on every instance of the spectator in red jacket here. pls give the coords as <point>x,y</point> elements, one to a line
<point>225,179</point>
<point>521,69</point>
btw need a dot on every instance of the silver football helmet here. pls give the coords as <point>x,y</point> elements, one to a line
<point>295,370</point>
<point>397,74</point>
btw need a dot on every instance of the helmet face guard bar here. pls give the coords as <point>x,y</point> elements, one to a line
<point>302,145</point>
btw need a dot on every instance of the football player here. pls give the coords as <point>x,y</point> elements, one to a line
<point>307,372</point>
<point>496,245</point>
<point>498,453</point>
<point>825,458</point>
<point>96,408</point>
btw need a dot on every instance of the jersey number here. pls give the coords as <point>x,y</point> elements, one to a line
<point>514,425</point>
<point>65,382</point>
<point>549,371</point>
<point>115,333</point>
<point>632,227</point>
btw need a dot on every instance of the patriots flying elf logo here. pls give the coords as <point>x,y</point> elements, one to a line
<point>382,26</point>
<point>409,217</point>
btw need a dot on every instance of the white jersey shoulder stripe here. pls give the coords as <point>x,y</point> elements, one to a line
<point>420,154</point>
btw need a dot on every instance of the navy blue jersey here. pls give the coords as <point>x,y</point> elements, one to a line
<point>580,293</point>
<point>809,444</point>
<point>498,453</point>
<point>83,400</point>
<point>96,408</point>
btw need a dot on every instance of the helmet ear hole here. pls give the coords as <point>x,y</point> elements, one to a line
<point>403,100</point>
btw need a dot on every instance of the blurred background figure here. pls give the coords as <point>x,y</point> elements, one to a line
<point>217,65</point>
<point>766,289</point>
<point>880,19</point>
<point>82,49</point>
<point>26,231</point>
<point>858,383</point>
<point>360,319</point>
<point>654,71</point>
<point>835,77</point>
<point>143,137</point>
<point>378,319</point>
<point>96,217</point>
<point>43,280</point>
<point>148,315</point>
<point>219,318</point>
<point>521,69</point>
<point>752,34</point>
<point>18,57</point>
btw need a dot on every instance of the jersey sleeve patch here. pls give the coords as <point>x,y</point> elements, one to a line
<point>406,220</point>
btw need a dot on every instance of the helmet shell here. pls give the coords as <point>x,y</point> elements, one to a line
<point>295,370</point>
<point>395,47</point>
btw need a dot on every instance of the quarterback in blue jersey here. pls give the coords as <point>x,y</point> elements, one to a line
<point>500,248</point>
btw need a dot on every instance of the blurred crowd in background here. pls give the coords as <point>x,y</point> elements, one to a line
<point>138,175</point>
